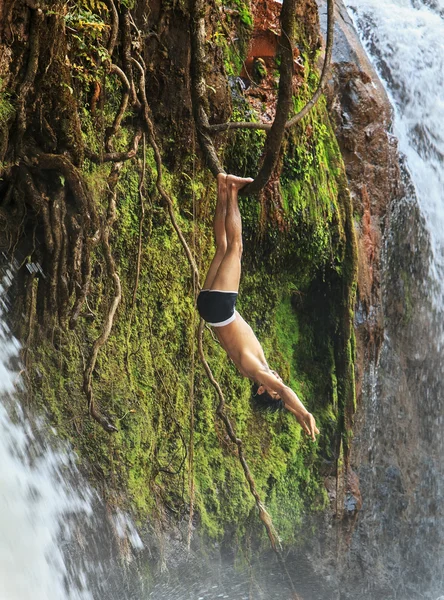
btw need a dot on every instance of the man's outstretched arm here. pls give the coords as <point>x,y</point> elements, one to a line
<point>291,402</point>
<point>305,419</point>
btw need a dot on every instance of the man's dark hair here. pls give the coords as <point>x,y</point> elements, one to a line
<point>265,401</point>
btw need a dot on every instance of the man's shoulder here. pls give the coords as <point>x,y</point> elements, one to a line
<point>252,363</point>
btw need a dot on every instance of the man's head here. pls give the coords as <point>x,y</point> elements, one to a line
<point>265,398</point>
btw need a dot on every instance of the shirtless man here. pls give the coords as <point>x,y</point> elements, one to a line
<point>217,300</point>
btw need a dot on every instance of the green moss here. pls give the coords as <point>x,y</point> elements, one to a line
<point>246,145</point>
<point>297,292</point>
<point>235,47</point>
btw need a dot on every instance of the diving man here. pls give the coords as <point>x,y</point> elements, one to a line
<point>217,305</point>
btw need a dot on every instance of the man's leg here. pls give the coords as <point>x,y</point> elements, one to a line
<point>219,230</point>
<point>228,274</point>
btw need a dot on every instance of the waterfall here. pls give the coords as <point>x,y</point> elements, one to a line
<point>405,40</point>
<point>54,533</point>
<point>396,550</point>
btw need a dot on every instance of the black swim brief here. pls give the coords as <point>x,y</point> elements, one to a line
<point>217,307</point>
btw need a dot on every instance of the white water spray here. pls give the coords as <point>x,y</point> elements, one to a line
<point>405,41</point>
<point>34,498</point>
<point>57,541</point>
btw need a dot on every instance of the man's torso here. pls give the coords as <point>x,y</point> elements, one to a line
<point>242,346</point>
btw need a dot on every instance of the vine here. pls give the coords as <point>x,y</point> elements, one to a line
<point>275,130</point>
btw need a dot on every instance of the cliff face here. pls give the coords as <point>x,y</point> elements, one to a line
<point>393,543</point>
<point>82,208</point>
<point>361,113</point>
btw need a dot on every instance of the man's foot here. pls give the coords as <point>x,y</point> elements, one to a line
<point>238,182</point>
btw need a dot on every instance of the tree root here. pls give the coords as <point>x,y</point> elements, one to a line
<point>109,319</point>
<point>56,220</point>
<point>276,134</point>
<point>82,289</point>
<point>123,105</point>
<point>30,75</point>
<point>81,195</point>
<point>62,273</point>
<point>125,27</point>
<point>306,109</point>
<point>263,513</point>
<point>114,27</point>
<point>220,411</point>
<point>115,157</point>
<point>165,196</point>
<point>275,130</point>
<point>139,248</point>
<point>39,203</point>
<point>199,88</point>
<point>89,225</point>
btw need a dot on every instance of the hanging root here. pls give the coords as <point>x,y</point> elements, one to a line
<point>39,203</point>
<point>81,195</point>
<point>56,221</point>
<point>198,86</point>
<point>116,157</point>
<point>123,105</point>
<point>163,193</point>
<point>125,27</point>
<point>275,131</point>
<point>220,411</point>
<point>263,514</point>
<point>37,18</point>
<point>112,40</point>
<point>139,249</point>
<point>88,223</point>
<point>109,318</point>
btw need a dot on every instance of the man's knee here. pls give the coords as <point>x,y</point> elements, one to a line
<point>221,247</point>
<point>235,246</point>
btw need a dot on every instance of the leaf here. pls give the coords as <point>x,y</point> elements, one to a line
<point>71,91</point>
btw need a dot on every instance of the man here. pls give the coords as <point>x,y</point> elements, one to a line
<point>217,300</point>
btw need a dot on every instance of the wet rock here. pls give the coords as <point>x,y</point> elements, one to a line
<point>362,115</point>
<point>353,497</point>
<point>393,547</point>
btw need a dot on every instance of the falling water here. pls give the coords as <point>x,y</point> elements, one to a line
<point>53,542</point>
<point>397,550</point>
<point>405,39</point>
<point>55,537</point>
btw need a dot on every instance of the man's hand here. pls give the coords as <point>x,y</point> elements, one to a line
<point>308,424</point>
<point>305,419</point>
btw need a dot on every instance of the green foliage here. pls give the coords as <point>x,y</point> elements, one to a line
<point>243,10</point>
<point>88,31</point>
